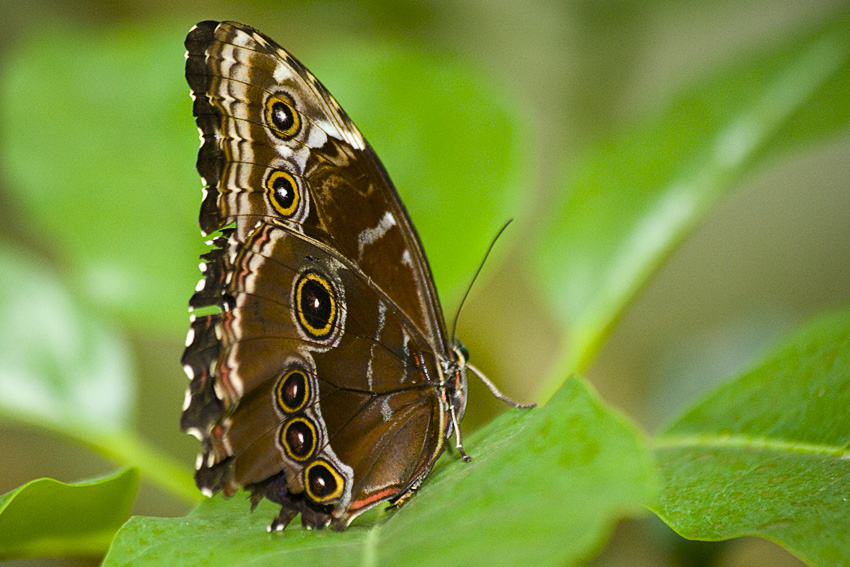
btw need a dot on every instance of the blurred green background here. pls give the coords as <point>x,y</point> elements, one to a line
<point>93,102</point>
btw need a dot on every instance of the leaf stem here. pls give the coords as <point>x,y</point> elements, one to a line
<point>127,448</point>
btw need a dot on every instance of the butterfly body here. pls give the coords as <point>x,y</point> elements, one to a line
<point>326,382</point>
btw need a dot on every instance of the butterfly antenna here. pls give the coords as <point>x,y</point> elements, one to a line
<point>475,277</point>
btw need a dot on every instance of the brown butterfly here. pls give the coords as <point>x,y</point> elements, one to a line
<point>325,381</point>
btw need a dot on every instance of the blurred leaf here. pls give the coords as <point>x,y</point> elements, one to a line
<point>769,453</point>
<point>61,367</point>
<point>64,370</point>
<point>103,162</point>
<point>506,507</point>
<point>633,199</point>
<point>454,144</point>
<point>48,518</point>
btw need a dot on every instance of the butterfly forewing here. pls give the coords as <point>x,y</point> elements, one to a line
<point>254,172</point>
<point>321,383</point>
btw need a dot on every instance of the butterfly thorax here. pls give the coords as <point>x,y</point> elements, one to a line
<point>454,372</point>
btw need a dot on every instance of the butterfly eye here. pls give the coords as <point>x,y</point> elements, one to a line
<point>283,192</point>
<point>315,304</point>
<point>298,438</point>
<point>461,350</point>
<point>322,482</point>
<point>282,117</point>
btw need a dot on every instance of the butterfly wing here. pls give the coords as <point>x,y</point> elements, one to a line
<point>320,383</point>
<point>276,145</point>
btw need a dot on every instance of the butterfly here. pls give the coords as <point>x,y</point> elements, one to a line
<point>322,377</point>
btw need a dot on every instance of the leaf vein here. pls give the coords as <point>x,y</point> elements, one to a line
<point>749,442</point>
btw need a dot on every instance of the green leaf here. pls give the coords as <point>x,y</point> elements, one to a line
<point>103,162</point>
<point>769,453</point>
<point>62,368</point>
<point>66,371</point>
<point>46,518</point>
<point>632,200</point>
<point>545,487</point>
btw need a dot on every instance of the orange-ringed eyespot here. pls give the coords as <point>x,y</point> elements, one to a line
<point>284,193</point>
<point>282,117</point>
<point>298,437</point>
<point>322,482</point>
<point>315,304</point>
<point>293,391</point>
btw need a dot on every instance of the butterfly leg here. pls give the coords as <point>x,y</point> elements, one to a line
<point>458,443</point>
<point>406,495</point>
<point>496,392</point>
<point>282,520</point>
<point>313,519</point>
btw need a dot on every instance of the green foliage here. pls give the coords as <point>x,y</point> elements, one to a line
<point>104,181</point>
<point>505,507</point>
<point>632,200</point>
<point>71,375</point>
<point>45,517</point>
<point>769,453</point>
<point>118,142</point>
